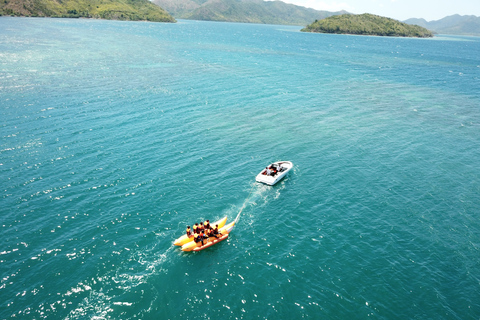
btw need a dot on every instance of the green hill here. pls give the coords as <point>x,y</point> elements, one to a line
<point>98,9</point>
<point>248,11</point>
<point>367,24</point>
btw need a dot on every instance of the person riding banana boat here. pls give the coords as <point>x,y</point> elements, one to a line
<point>216,233</point>
<point>206,224</point>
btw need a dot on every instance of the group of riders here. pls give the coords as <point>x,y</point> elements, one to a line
<point>272,170</point>
<point>202,231</point>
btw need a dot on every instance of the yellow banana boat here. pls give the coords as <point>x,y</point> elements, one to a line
<point>185,239</point>
<point>225,231</point>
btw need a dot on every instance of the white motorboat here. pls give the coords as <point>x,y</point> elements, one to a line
<point>274,172</point>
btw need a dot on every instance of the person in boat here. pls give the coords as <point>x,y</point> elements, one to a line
<point>196,238</point>
<point>208,233</point>
<point>216,233</point>
<point>202,237</point>
<point>201,227</point>
<point>271,171</point>
<point>206,225</point>
<point>189,231</point>
<point>268,172</point>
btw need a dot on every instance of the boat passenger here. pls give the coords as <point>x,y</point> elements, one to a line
<point>215,232</point>
<point>196,238</point>
<point>200,226</point>
<point>202,236</point>
<point>206,224</point>
<point>208,233</point>
<point>268,172</point>
<point>189,231</point>
<point>195,228</point>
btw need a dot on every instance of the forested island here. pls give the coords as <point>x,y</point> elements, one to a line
<point>136,10</point>
<point>367,24</point>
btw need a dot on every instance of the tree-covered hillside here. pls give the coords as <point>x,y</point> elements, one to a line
<point>99,9</point>
<point>248,11</point>
<point>367,24</point>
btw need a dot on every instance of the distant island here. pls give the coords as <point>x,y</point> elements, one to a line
<point>367,24</point>
<point>245,11</point>
<point>136,10</point>
<point>454,24</point>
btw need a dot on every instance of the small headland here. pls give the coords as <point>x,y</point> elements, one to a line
<point>367,24</point>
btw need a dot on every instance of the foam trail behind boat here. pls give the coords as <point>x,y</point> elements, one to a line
<point>247,200</point>
<point>244,205</point>
<point>238,215</point>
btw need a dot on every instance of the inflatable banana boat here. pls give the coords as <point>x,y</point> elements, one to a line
<point>225,231</point>
<point>185,239</point>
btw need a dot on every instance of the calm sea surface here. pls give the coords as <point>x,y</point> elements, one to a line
<point>116,135</point>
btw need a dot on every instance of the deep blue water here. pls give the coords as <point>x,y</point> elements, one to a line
<point>116,135</point>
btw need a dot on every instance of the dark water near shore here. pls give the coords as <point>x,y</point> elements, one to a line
<point>115,135</point>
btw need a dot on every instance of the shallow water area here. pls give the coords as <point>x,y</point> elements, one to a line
<point>116,135</point>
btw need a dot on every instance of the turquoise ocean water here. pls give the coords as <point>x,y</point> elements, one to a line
<point>116,135</point>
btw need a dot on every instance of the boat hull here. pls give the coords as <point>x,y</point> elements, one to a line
<point>272,180</point>
<point>185,239</point>
<point>211,243</point>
